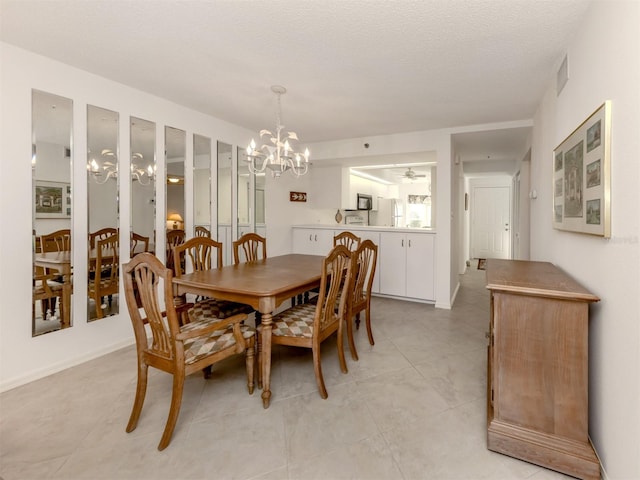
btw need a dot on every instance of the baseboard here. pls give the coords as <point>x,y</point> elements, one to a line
<point>455,293</point>
<point>603,473</point>
<point>58,367</point>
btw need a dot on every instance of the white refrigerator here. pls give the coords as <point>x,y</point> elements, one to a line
<point>389,213</point>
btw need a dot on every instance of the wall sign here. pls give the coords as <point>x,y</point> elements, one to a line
<point>297,196</point>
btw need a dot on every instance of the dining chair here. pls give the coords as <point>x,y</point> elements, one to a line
<point>307,325</point>
<point>47,290</point>
<point>175,349</point>
<point>139,244</point>
<point>201,231</point>
<point>359,299</point>
<point>200,253</point>
<point>174,238</point>
<point>105,281</point>
<point>348,239</point>
<point>253,246</point>
<point>101,235</point>
<point>58,241</point>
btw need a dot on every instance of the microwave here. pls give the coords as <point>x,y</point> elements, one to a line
<point>365,202</point>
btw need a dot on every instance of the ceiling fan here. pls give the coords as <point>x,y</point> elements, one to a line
<point>410,174</point>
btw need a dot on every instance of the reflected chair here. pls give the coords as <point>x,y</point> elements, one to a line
<point>348,239</point>
<point>200,253</point>
<point>139,244</point>
<point>254,248</point>
<point>201,231</point>
<point>174,238</point>
<point>359,299</point>
<point>178,350</point>
<point>105,281</point>
<point>58,241</point>
<point>308,325</point>
<point>101,235</point>
<point>46,289</point>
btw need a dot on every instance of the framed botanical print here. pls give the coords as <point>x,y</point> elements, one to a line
<point>581,177</point>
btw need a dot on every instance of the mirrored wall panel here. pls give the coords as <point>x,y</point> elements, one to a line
<point>224,199</point>
<point>175,150</point>
<point>245,198</point>
<point>202,186</point>
<point>52,118</point>
<point>143,183</point>
<point>102,195</point>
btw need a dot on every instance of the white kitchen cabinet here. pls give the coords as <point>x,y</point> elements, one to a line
<point>312,241</point>
<point>406,263</point>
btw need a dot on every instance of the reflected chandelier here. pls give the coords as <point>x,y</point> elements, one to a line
<point>279,156</point>
<point>101,174</point>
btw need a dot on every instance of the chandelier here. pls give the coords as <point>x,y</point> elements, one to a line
<point>109,169</point>
<point>278,156</point>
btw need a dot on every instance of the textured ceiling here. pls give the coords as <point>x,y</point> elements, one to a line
<point>353,68</point>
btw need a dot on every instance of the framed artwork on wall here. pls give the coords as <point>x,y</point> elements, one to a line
<point>581,177</point>
<point>52,199</point>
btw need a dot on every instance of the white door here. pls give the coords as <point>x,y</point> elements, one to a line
<point>490,222</point>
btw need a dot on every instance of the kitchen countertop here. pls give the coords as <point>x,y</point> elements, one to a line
<point>355,228</point>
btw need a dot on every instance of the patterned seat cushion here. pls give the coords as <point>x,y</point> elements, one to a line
<point>295,322</point>
<point>200,347</point>
<point>212,307</point>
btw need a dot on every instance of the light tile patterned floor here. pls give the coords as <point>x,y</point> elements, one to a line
<point>413,407</point>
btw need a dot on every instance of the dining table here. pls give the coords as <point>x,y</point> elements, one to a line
<point>264,285</point>
<point>61,262</point>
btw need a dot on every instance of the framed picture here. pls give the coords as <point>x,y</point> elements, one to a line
<point>52,199</point>
<point>581,177</point>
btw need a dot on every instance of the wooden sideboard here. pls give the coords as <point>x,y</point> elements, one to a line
<point>537,389</point>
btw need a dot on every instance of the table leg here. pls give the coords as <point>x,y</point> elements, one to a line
<point>266,359</point>
<point>66,300</point>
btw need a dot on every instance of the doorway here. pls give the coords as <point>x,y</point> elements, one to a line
<point>490,229</point>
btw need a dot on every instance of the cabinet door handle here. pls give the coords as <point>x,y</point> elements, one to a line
<point>315,238</point>
<point>403,242</point>
<point>409,243</point>
<point>310,235</point>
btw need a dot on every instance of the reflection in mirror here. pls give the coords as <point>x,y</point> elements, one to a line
<point>143,182</point>
<point>243,191</point>
<point>175,150</point>
<point>260,205</point>
<point>102,193</point>
<point>202,185</point>
<point>52,118</point>
<point>224,200</point>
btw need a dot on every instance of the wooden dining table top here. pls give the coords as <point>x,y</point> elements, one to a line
<point>274,278</point>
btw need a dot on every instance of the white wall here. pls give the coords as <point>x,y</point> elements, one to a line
<point>23,358</point>
<point>604,64</point>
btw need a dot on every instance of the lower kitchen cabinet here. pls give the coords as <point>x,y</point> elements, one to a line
<point>407,265</point>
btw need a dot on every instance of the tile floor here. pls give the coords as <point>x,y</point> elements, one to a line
<point>413,407</point>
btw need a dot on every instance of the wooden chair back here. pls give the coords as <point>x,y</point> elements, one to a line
<point>139,244</point>
<point>201,231</point>
<point>253,245</point>
<point>174,238</point>
<point>101,235</point>
<point>364,268</point>
<point>334,287</point>
<point>200,251</point>
<point>58,241</point>
<point>348,239</point>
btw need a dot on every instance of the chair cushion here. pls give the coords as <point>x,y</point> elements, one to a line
<point>212,307</point>
<point>295,322</point>
<point>200,347</point>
